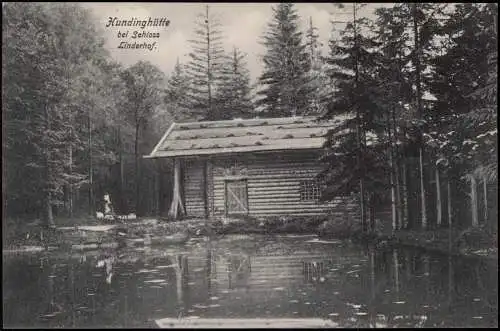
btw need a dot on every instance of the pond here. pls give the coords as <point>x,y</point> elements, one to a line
<point>249,277</point>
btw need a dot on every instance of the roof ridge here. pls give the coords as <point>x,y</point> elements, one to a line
<point>249,119</point>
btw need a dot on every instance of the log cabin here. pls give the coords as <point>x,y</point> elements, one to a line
<point>253,167</point>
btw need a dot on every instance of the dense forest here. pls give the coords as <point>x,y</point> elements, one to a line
<point>416,82</point>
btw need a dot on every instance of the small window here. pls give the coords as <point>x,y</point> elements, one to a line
<point>310,190</point>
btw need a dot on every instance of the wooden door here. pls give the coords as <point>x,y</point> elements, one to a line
<point>236,197</point>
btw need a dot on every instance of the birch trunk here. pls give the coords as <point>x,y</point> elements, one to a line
<point>177,206</point>
<point>120,146</point>
<point>70,185</point>
<point>450,210</point>
<point>49,217</point>
<point>422,189</point>
<point>450,213</point>
<point>372,214</point>
<point>137,175</point>
<point>406,207</point>
<point>396,161</point>
<point>439,211</point>
<point>399,207</point>
<point>473,196</point>
<point>90,169</point>
<point>392,180</point>
<point>485,199</point>
<point>393,199</point>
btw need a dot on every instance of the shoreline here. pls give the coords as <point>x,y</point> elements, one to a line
<point>433,241</point>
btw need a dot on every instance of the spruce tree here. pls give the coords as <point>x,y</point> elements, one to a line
<point>176,99</point>
<point>234,93</point>
<point>353,66</point>
<point>285,89</point>
<point>205,67</point>
<point>317,77</point>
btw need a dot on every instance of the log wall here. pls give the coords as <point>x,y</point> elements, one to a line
<point>273,185</point>
<point>193,187</point>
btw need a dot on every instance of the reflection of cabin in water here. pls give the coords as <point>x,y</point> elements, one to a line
<point>257,167</point>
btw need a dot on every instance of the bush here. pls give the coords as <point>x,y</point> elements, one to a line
<point>476,238</point>
<point>340,228</point>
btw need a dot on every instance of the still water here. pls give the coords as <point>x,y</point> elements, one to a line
<point>249,277</point>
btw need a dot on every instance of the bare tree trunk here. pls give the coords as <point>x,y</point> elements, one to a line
<point>209,67</point>
<point>359,133</point>
<point>450,213</point>
<point>439,210</point>
<point>372,214</point>
<point>157,188</point>
<point>137,176</point>
<point>396,161</point>
<point>450,210</point>
<point>485,199</point>
<point>177,206</point>
<point>393,197</point>
<point>70,185</point>
<point>406,207</point>
<point>90,170</point>
<point>419,111</point>
<point>49,217</point>
<point>120,157</point>
<point>391,135</point>
<point>473,196</point>
<point>399,206</point>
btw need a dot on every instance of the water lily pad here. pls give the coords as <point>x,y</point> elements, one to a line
<point>199,306</point>
<point>155,281</point>
<point>48,315</point>
<point>165,266</point>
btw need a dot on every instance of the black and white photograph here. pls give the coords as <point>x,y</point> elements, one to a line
<point>249,165</point>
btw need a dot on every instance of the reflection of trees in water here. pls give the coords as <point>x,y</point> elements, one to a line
<point>396,271</point>
<point>239,269</point>
<point>180,266</point>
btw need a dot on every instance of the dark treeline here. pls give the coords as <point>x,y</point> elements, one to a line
<point>416,84</point>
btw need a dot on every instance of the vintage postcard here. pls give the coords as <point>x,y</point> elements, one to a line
<point>249,165</point>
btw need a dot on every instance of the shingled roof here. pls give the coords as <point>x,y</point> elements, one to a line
<point>242,135</point>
